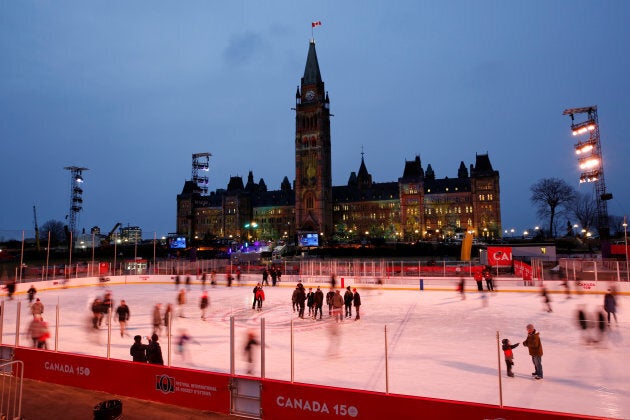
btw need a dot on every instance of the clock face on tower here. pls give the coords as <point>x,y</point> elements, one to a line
<point>310,95</point>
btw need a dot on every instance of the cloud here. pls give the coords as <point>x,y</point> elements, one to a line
<point>243,49</point>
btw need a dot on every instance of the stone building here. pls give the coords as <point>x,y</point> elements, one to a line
<point>418,206</point>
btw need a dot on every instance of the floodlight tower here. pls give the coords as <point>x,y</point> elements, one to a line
<point>590,160</point>
<point>200,163</point>
<point>76,195</point>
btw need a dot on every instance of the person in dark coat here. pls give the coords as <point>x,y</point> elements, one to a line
<point>258,286</point>
<point>123,316</point>
<point>319,302</point>
<point>138,351</point>
<point>154,351</point>
<point>533,344</point>
<point>31,294</point>
<point>356,301</point>
<point>203,304</point>
<point>610,306</point>
<point>265,277</point>
<point>329,297</point>
<point>300,299</point>
<point>310,302</point>
<point>347,301</point>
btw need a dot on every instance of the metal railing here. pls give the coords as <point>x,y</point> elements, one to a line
<point>12,374</point>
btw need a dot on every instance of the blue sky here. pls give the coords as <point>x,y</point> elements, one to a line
<point>131,90</point>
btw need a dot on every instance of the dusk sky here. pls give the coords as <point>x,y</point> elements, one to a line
<point>131,90</point>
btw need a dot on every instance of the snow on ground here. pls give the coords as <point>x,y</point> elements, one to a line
<point>438,344</point>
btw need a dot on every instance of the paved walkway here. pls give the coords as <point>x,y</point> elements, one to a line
<point>46,401</point>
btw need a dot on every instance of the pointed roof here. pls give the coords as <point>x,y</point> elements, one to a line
<point>312,75</point>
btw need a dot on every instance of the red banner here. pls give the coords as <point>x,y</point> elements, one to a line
<point>500,255</point>
<point>175,386</point>
<point>523,269</point>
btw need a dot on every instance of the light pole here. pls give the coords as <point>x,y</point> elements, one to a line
<point>625,240</point>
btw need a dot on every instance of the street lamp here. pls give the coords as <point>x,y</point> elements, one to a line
<point>625,240</point>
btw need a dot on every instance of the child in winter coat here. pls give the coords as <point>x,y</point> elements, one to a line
<point>509,356</point>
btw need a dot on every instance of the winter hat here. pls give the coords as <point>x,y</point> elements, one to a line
<point>504,341</point>
<point>154,337</point>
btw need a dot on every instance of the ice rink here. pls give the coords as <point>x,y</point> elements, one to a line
<point>439,345</point>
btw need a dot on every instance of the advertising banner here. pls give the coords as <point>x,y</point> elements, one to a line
<point>175,386</point>
<point>500,256</point>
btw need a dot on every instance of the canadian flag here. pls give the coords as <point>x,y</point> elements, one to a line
<point>318,23</point>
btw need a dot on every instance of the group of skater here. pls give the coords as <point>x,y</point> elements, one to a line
<point>534,348</point>
<point>339,306</point>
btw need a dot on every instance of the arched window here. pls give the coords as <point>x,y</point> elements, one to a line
<point>309,202</point>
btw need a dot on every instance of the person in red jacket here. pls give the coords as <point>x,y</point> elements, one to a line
<point>509,356</point>
<point>260,296</point>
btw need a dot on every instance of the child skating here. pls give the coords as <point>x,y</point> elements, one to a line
<point>509,356</point>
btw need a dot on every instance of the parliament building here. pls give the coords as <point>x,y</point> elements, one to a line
<point>418,206</point>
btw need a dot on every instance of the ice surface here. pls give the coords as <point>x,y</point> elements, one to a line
<point>438,344</point>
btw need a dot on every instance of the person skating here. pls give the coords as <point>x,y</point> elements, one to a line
<point>260,297</point>
<point>356,301</point>
<point>610,306</point>
<point>329,297</point>
<point>258,286</point>
<point>294,296</point>
<point>138,351</point>
<point>546,299</point>
<point>37,309</point>
<point>204,302</point>
<point>319,302</point>
<point>31,294</point>
<point>310,302</point>
<point>123,316</point>
<point>181,301</point>
<point>157,318</point>
<point>347,301</point>
<point>301,298</point>
<point>534,346</point>
<point>509,355</point>
<point>249,350</point>
<point>337,303</point>
<point>154,351</point>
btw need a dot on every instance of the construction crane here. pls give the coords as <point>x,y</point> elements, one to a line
<point>106,240</point>
<point>36,228</point>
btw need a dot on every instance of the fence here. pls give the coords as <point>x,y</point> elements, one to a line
<point>12,373</point>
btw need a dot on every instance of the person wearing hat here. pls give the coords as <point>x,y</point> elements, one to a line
<point>356,299</point>
<point>138,351</point>
<point>509,356</point>
<point>37,308</point>
<point>533,344</point>
<point>154,351</point>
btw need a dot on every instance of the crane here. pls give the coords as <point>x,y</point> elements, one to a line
<point>36,228</point>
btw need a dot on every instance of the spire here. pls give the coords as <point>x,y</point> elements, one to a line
<point>312,75</point>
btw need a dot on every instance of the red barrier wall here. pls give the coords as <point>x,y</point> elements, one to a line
<point>187,388</point>
<point>209,391</point>
<point>282,400</point>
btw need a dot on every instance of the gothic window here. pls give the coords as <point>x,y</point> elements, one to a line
<point>309,203</point>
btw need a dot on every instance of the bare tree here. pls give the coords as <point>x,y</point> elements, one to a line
<point>57,232</point>
<point>552,197</point>
<point>616,225</point>
<point>585,210</point>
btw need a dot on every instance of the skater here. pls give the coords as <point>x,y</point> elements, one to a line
<point>138,351</point>
<point>460,288</point>
<point>478,276</point>
<point>10,289</point>
<point>97,313</point>
<point>546,299</point>
<point>319,302</point>
<point>274,276</point>
<point>154,351</point>
<point>310,302</point>
<point>260,296</point>
<point>258,286</point>
<point>157,318</point>
<point>356,300</point>
<point>301,298</point>
<point>203,304</point>
<point>31,294</point>
<point>177,280</point>
<point>123,316</point>
<point>204,278</point>
<point>333,281</point>
<point>249,351</point>
<point>347,301</point>
<point>168,315</point>
<point>488,277</point>
<point>294,301</point>
<point>337,303</point>
<point>329,297</point>
<point>37,309</point>
<point>509,356</point>
<point>610,306</point>
<point>534,346</point>
<point>213,278</point>
<point>265,276</point>
<point>35,330</point>
<point>181,301</point>
<point>188,283</point>
<point>182,349</point>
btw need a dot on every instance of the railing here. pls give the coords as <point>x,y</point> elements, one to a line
<point>11,389</point>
